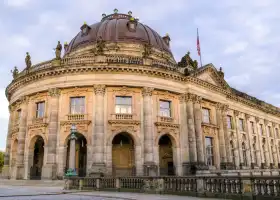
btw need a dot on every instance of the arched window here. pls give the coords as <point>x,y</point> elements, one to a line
<point>244,154</point>
<point>232,152</point>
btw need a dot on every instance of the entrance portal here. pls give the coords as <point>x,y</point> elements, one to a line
<point>123,155</point>
<point>38,159</point>
<point>81,155</point>
<point>166,156</point>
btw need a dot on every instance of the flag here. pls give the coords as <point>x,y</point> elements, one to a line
<point>197,44</point>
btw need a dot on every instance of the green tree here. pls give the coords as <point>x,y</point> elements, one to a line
<point>1,160</point>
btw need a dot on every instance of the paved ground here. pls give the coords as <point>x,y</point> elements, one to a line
<point>52,193</point>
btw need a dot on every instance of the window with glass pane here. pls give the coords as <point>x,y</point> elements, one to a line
<point>241,124</point>
<point>244,154</point>
<point>123,105</point>
<point>77,105</point>
<point>261,129</point>
<point>205,115</point>
<point>252,127</point>
<point>165,108</point>
<point>40,109</point>
<point>209,151</point>
<point>276,133</point>
<point>269,131</point>
<point>229,122</point>
<point>232,152</point>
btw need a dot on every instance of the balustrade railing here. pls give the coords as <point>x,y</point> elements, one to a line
<point>76,117</point>
<point>213,186</point>
<point>122,116</point>
<point>165,119</point>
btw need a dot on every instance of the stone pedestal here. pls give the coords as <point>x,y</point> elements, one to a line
<point>56,63</point>
<point>150,169</point>
<point>49,171</point>
<point>97,170</point>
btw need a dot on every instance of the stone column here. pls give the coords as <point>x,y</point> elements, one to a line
<point>72,152</point>
<point>221,134</point>
<point>50,169</point>
<point>21,138</point>
<point>198,131</point>
<point>239,138</point>
<point>150,168</point>
<point>249,141</point>
<point>258,143</point>
<point>267,150</point>
<point>98,164</point>
<point>185,158</point>
<point>191,129</point>
<point>5,170</point>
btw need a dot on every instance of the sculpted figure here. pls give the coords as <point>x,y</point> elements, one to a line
<point>58,51</point>
<point>15,72</point>
<point>28,61</point>
<point>100,46</point>
<point>147,50</point>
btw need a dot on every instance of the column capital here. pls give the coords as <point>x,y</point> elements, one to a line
<point>182,98</point>
<point>99,89</point>
<point>273,124</point>
<point>219,106</point>
<point>236,113</point>
<point>147,91</point>
<point>257,119</point>
<point>197,99</point>
<point>247,116</point>
<point>24,100</point>
<point>265,122</point>
<point>54,92</point>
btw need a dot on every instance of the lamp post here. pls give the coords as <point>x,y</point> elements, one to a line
<point>72,153</point>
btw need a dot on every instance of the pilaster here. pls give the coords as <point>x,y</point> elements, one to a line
<point>238,136</point>
<point>258,143</point>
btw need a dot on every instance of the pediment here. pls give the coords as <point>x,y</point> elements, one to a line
<point>210,74</point>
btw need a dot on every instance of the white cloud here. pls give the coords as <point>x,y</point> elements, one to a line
<point>239,80</point>
<point>4,114</point>
<point>237,47</point>
<point>20,41</point>
<point>17,3</point>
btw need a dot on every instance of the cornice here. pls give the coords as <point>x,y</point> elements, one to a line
<point>65,123</point>
<point>91,67</point>
<point>125,122</point>
<point>170,125</point>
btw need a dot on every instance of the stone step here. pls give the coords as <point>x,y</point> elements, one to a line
<point>46,183</point>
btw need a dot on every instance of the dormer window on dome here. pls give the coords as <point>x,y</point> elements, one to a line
<point>132,23</point>
<point>166,39</point>
<point>85,29</point>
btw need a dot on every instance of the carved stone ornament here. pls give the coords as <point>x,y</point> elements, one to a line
<point>190,97</point>
<point>147,50</point>
<point>24,100</point>
<point>15,72</point>
<point>273,124</point>
<point>172,131</point>
<point>208,130</point>
<point>236,113</point>
<point>257,119</point>
<point>123,91</point>
<point>28,61</point>
<point>219,106</point>
<point>99,89</point>
<point>54,92</point>
<point>197,99</point>
<point>266,122</point>
<point>147,91</point>
<point>182,98</point>
<point>120,129</point>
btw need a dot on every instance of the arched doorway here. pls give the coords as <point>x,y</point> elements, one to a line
<point>123,156</point>
<point>13,158</point>
<point>81,155</point>
<point>38,158</point>
<point>166,163</point>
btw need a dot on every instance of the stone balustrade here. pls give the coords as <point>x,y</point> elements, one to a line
<point>76,117</point>
<point>165,119</point>
<point>122,116</point>
<point>224,187</point>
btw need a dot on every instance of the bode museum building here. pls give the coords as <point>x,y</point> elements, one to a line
<point>116,103</point>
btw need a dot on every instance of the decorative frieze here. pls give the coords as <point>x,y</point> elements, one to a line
<point>54,92</point>
<point>147,91</point>
<point>99,89</point>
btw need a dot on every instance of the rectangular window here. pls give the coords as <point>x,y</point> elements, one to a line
<point>241,124</point>
<point>77,105</point>
<point>165,108</point>
<point>269,131</point>
<point>205,115</point>
<point>252,127</point>
<point>40,109</point>
<point>229,122</point>
<point>123,105</point>
<point>276,133</point>
<point>261,129</point>
<point>209,151</point>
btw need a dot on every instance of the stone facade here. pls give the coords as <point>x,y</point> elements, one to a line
<point>210,126</point>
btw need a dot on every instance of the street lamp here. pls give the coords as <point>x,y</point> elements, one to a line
<point>72,153</point>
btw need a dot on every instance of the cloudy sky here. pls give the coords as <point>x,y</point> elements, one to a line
<point>242,36</point>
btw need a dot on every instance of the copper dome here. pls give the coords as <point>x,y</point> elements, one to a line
<point>114,28</point>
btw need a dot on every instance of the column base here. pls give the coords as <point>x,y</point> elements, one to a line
<point>6,172</point>
<point>97,170</point>
<point>49,171</point>
<point>19,172</point>
<point>150,169</point>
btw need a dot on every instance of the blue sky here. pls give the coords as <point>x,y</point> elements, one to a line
<point>242,36</point>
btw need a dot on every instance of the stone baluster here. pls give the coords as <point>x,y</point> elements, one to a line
<point>198,130</point>
<point>249,141</point>
<point>8,145</point>
<point>191,129</point>
<point>50,169</point>
<point>150,168</point>
<point>184,135</point>
<point>21,138</point>
<point>98,164</point>
<point>258,143</point>
<point>221,134</point>
<point>239,138</point>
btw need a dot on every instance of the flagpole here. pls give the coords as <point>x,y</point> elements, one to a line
<point>198,48</point>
